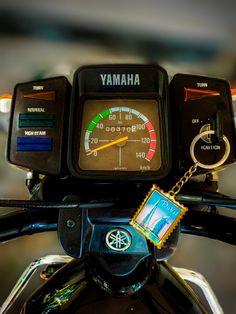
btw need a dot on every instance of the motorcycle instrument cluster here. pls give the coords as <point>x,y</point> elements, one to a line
<point>120,122</point>
<point>102,143</point>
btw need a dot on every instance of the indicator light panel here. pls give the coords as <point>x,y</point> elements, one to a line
<point>38,125</point>
<point>199,104</point>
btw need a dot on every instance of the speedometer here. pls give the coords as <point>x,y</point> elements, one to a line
<point>120,123</point>
<point>120,135</point>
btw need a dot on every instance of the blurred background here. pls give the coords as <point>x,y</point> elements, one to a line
<point>46,38</point>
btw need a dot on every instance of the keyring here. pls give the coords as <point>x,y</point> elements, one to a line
<point>217,164</point>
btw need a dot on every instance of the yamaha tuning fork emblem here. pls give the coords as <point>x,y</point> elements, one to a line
<point>118,239</point>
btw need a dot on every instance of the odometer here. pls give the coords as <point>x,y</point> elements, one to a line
<point>120,135</point>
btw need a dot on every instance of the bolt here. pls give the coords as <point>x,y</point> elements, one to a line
<point>70,223</point>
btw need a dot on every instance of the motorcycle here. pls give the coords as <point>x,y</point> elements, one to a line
<point>95,153</point>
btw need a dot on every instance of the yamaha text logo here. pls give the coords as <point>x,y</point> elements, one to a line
<point>118,239</point>
<point>120,79</point>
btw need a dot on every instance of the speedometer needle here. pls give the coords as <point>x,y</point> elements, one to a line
<point>122,139</point>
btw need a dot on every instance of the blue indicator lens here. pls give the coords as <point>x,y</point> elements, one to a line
<point>43,144</point>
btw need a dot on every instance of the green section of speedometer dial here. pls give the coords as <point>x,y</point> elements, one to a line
<point>120,135</point>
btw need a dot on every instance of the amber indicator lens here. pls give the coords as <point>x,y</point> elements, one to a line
<point>194,93</point>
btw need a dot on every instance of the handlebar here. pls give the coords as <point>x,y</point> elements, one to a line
<point>39,216</point>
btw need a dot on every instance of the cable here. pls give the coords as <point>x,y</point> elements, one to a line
<point>212,199</point>
<point>29,204</point>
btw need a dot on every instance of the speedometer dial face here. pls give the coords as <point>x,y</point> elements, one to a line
<point>120,135</point>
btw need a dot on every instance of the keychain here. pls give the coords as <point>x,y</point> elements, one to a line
<point>160,212</point>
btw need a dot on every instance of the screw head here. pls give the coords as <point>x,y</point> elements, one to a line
<point>70,223</point>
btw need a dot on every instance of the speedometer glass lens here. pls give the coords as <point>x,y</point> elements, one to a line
<point>120,135</point>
